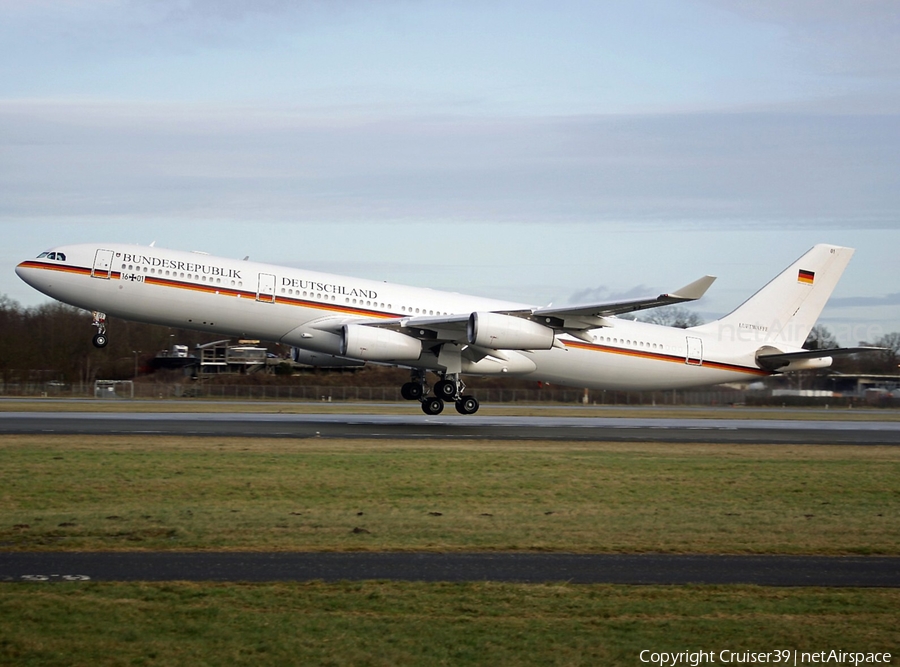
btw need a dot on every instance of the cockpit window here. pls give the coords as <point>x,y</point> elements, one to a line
<point>43,254</point>
<point>61,256</point>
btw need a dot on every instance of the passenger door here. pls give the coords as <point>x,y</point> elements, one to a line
<point>694,351</point>
<point>102,264</point>
<point>266,289</point>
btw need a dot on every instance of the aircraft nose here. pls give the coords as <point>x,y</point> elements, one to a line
<point>26,271</point>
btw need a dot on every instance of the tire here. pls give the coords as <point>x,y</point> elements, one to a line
<point>445,389</point>
<point>432,406</point>
<point>100,340</point>
<point>467,405</point>
<point>411,391</point>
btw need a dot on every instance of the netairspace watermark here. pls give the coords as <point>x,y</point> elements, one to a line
<point>782,656</point>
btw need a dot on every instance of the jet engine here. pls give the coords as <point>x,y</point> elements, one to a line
<point>375,344</point>
<point>322,360</point>
<point>504,332</point>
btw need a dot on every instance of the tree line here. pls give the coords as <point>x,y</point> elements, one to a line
<point>52,342</point>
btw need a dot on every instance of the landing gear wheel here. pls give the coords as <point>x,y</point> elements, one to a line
<point>100,339</point>
<point>411,391</point>
<point>467,405</point>
<point>432,406</point>
<point>445,389</point>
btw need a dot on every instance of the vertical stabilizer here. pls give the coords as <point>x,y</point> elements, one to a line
<point>784,311</point>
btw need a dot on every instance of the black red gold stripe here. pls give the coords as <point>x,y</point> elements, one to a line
<point>658,356</point>
<point>63,268</point>
<point>212,289</point>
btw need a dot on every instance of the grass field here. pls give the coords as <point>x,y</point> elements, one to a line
<point>179,493</point>
<point>153,492</point>
<point>393,623</point>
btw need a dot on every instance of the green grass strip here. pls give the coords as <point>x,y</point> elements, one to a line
<point>173,493</point>
<point>388,623</point>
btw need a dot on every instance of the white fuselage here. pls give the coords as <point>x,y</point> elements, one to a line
<point>286,305</point>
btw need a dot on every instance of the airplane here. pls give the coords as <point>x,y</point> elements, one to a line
<point>330,320</point>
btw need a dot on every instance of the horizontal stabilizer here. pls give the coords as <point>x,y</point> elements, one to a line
<point>778,360</point>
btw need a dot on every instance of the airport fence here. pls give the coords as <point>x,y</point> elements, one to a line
<point>333,394</point>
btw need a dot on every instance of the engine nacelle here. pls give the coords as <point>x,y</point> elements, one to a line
<point>504,332</point>
<point>321,360</point>
<point>376,344</point>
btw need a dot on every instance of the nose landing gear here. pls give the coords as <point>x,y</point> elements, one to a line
<point>100,339</point>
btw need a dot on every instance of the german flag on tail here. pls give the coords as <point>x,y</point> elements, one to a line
<point>806,277</point>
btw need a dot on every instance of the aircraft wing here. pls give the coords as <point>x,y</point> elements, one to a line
<point>690,292</point>
<point>573,320</point>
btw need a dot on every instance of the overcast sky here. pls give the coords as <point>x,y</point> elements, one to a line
<point>535,151</point>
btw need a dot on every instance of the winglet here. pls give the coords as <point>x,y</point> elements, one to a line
<point>693,291</point>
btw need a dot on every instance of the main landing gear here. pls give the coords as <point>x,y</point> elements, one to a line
<point>449,388</point>
<point>100,339</point>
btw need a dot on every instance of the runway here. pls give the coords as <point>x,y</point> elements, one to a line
<point>475,427</point>
<point>506,567</point>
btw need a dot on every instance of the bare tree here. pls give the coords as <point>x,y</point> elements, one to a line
<point>890,358</point>
<point>820,338</point>
<point>672,316</point>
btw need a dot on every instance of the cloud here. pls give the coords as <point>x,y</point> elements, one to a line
<point>64,158</point>
<point>835,36</point>
<point>602,294</point>
<point>891,300</point>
